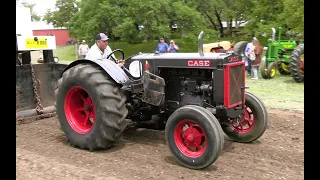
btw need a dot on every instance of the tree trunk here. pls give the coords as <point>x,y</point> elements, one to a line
<point>219,21</point>
<point>230,27</point>
<point>211,21</point>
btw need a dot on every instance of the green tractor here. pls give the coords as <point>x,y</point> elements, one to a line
<point>277,56</point>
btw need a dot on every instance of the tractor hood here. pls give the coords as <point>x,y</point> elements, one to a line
<point>171,56</point>
<point>182,60</point>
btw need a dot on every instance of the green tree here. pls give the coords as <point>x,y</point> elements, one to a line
<point>65,10</point>
<point>34,15</point>
<point>134,20</point>
<point>293,15</point>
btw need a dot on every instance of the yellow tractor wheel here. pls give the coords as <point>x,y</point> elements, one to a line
<point>271,70</point>
<point>263,70</point>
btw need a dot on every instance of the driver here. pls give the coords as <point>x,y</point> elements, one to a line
<point>100,50</point>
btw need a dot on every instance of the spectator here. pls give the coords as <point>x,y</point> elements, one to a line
<point>257,48</point>
<point>247,53</point>
<point>173,48</point>
<point>83,49</point>
<point>162,47</point>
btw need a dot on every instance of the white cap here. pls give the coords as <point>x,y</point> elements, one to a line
<point>171,41</point>
<point>83,41</point>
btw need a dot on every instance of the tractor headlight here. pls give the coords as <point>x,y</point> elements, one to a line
<point>55,59</point>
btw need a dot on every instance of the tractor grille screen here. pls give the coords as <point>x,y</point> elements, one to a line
<point>236,82</point>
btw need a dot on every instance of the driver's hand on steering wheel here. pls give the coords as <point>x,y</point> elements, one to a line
<point>121,63</point>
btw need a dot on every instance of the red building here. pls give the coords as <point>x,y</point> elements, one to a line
<point>62,35</point>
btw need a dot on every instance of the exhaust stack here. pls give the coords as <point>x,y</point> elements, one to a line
<point>200,43</point>
<point>273,34</point>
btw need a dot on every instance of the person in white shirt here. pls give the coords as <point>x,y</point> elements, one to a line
<point>83,49</point>
<point>100,50</point>
<point>247,52</point>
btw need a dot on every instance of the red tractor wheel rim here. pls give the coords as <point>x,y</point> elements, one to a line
<point>79,110</point>
<point>190,138</point>
<point>246,123</point>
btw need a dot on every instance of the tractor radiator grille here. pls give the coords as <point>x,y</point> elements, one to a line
<point>234,78</point>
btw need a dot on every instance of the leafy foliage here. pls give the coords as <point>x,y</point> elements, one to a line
<point>65,10</point>
<point>34,15</point>
<point>138,21</point>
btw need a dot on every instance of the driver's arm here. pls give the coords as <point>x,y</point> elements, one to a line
<point>109,50</point>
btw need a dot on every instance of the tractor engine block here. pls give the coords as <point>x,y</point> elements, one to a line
<point>187,87</point>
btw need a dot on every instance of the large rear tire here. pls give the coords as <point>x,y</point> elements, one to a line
<point>240,47</point>
<point>296,67</point>
<point>194,137</point>
<point>90,107</point>
<point>283,67</point>
<point>253,123</point>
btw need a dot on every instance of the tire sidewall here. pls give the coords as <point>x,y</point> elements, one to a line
<point>260,123</point>
<point>70,82</point>
<point>206,125</point>
<point>271,66</point>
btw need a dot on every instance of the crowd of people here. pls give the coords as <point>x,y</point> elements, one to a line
<point>163,47</point>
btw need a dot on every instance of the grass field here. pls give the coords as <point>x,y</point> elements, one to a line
<point>281,92</point>
<point>68,53</point>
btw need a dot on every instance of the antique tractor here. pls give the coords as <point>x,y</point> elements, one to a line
<point>218,47</point>
<point>296,64</point>
<point>197,97</point>
<point>277,56</point>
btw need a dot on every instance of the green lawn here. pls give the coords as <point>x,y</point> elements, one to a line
<point>65,53</point>
<point>68,53</point>
<point>280,92</point>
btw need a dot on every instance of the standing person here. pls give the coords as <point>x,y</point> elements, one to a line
<point>162,47</point>
<point>257,49</point>
<point>247,54</point>
<point>173,48</point>
<point>100,50</point>
<point>83,49</point>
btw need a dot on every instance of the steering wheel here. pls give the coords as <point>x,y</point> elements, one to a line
<point>120,50</point>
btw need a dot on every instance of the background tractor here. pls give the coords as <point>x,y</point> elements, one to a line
<point>296,65</point>
<point>196,97</point>
<point>218,47</point>
<point>277,56</point>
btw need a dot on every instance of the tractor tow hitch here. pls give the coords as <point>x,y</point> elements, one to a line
<point>242,95</point>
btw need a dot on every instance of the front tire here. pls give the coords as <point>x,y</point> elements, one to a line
<point>271,70</point>
<point>194,137</point>
<point>253,123</point>
<point>90,107</point>
<point>263,70</point>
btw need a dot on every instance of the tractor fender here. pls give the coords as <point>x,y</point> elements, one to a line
<point>111,68</point>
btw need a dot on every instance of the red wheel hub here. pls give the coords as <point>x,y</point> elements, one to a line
<point>79,110</point>
<point>301,63</point>
<point>246,123</point>
<point>190,138</point>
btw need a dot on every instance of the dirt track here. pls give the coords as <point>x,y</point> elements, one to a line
<point>43,153</point>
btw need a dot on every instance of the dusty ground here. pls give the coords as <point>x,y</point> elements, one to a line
<point>43,153</point>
